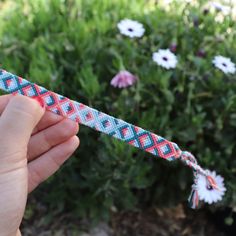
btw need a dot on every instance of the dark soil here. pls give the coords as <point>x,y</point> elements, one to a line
<point>177,221</point>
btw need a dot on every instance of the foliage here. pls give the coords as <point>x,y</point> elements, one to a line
<point>74,48</point>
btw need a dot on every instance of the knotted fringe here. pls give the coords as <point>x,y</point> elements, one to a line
<point>188,159</point>
<point>193,199</point>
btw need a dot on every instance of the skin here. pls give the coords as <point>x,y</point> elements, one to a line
<point>34,143</point>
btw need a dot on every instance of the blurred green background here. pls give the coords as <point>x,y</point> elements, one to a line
<point>73,47</point>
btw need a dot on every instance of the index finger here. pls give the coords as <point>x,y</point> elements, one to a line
<point>47,120</point>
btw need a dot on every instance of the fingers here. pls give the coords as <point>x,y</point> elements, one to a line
<point>50,137</point>
<point>48,119</point>
<point>19,118</point>
<point>46,165</point>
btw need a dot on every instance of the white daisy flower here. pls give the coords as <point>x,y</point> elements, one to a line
<point>165,58</point>
<point>218,6</point>
<point>131,28</point>
<point>207,193</point>
<point>224,64</point>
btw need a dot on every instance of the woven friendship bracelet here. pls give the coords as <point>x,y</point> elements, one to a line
<point>117,128</point>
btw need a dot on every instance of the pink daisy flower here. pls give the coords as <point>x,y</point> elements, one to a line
<point>123,79</point>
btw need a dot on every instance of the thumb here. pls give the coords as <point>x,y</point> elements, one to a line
<point>18,120</point>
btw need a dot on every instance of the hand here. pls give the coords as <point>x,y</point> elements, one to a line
<point>33,145</point>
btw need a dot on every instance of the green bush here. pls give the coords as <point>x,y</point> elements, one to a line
<point>75,48</point>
